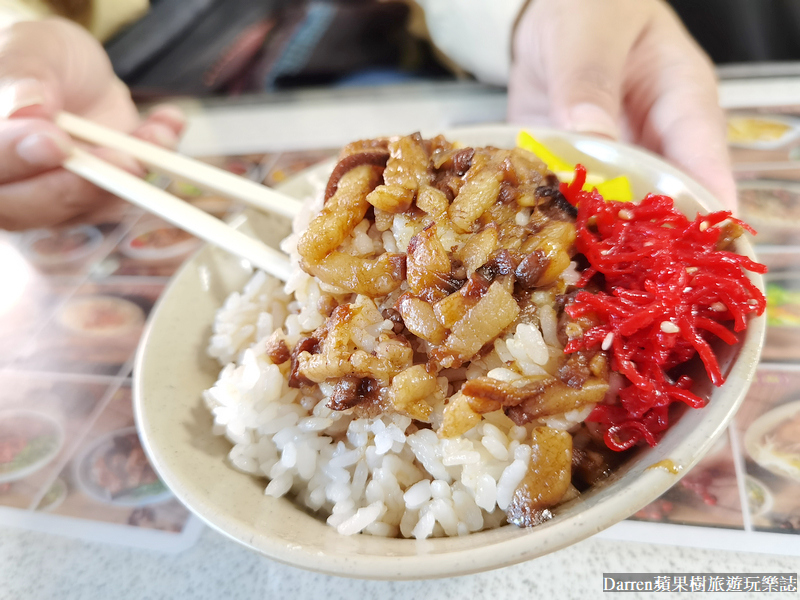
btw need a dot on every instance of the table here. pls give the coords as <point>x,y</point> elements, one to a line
<point>74,563</point>
<point>39,566</point>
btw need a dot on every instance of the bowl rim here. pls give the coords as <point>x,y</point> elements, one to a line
<point>94,239</point>
<point>649,484</point>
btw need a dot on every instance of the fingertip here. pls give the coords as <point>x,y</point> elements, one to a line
<point>170,115</point>
<point>121,160</point>
<point>105,208</point>
<point>159,134</point>
<point>47,199</point>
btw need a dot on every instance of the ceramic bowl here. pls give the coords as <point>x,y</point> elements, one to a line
<point>54,248</point>
<point>172,370</point>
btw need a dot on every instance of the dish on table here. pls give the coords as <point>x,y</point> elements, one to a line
<point>783,300</point>
<point>278,528</point>
<point>54,496</point>
<point>772,208</point>
<point>29,440</point>
<point>54,247</point>
<point>763,132</point>
<point>759,497</point>
<point>156,241</point>
<point>115,470</point>
<point>773,440</point>
<point>783,316</point>
<point>101,316</point>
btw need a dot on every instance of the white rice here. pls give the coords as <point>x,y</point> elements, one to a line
<point>378,476</point>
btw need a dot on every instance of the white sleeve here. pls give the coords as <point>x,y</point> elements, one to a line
<point>475,34</point>
<point>105,19</point>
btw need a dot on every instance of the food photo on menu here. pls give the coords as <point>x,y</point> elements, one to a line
<point>71,250</point>
<point>152,248</point>
<point>94,331</point>
<point>767,427</point>
<point>109,478</point>
<point>69,450</point>
<point>40,420</point>
<point>763,136</point>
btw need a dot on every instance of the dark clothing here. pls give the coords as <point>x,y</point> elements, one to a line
<point>735,31</point>
<point>202,47</point>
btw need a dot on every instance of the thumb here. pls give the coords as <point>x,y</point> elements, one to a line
<point>52,65</point>
<point>29,83</point>
<point>583,53</point>
<point>586,89</point>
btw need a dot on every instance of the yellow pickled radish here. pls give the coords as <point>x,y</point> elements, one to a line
<point>554,163</point>
<point>618,188</point>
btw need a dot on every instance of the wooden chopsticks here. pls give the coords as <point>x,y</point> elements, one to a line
<point>170,163</point>
<point>170,208</point>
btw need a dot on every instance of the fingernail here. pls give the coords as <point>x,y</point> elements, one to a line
<point>121,159</point>
<point>43,149</point>
<point>20,94</point>
<point>164,137</point>
<point>590,118</point>
<point>168,112</point>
